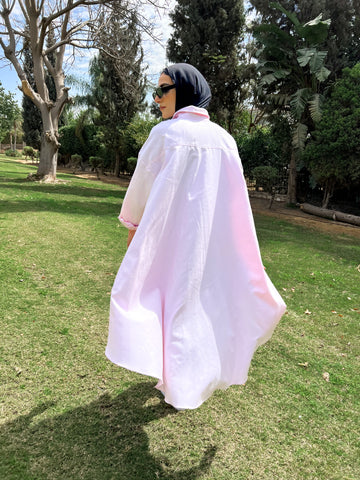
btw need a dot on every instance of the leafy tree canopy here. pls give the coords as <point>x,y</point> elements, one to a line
<point>136,133</point>
<point>292,73</point>
<point>343,41</point>
<point>333,155</point>
<point>9,111</point>
<point>208,35</point>
<point>117,83</point>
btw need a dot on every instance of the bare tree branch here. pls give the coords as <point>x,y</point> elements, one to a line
<point>71,6</point>
<point>7,8</point>
<point>23,9</point>
<point>39,20</point>
<point>61,52</point>
<point>19,33</point>
<point>67,39</point>
<point>6,16</point>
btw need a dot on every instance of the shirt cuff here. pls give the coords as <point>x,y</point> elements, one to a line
<point>127,224</point>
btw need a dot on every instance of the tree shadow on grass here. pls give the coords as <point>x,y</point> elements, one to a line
<point>63,189</point>
<point>86,207</point>
<point>58,198</point>
<point>102,440</point>
<point>300,238</point>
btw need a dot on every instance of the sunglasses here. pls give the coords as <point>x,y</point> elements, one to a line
<point>160,91</point>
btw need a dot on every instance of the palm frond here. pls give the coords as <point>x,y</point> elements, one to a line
<point>268,79</point>
<point>299,136</point>
<point>280,99</point>
<point>315,31</point>
<point>317,61</point>
<point>316,21</point>
<point>315,107</point>
<point>290,15</point>
<point>322,74</point>
<point>299,101</point>
<point>281,73</point>
<point>304,56</point>
<point>269,34</point>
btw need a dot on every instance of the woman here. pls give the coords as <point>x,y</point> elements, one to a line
<point>191,301</point>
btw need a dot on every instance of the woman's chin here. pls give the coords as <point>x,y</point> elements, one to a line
<point>166,113</point>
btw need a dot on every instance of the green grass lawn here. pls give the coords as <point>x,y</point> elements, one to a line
<point>67,413</point>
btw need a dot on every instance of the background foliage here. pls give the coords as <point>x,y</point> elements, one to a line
<point>333,155</point>
<point>208,36</point>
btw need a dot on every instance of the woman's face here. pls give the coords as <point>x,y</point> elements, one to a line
<point>167,102</point>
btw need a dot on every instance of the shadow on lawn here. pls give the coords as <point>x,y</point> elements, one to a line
<point>37,197</point>
<point>85,207</point>
<point>62,189</point>
<point>300,238</point>
<point>102,440</point>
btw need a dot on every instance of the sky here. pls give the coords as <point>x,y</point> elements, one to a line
<point>154,54</point>
<point>154,57</point>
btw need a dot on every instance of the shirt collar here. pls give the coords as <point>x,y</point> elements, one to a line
<point>202,112</point>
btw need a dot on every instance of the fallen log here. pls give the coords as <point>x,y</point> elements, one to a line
<point>332,214</point>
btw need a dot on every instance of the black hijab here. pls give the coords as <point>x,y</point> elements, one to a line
<point>191,86</point>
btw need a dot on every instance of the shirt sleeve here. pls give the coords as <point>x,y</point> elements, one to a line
<point>150,160</point>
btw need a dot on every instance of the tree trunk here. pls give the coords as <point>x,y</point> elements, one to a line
<point>328,193</point>
<point>49,146</point>
<point>117,164</point>
<point>291,194</point>
<point>48,158</point>
<point>326,198</point>
<point>332,214</point>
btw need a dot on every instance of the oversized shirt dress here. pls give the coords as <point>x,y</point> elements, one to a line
<point>191,301</point>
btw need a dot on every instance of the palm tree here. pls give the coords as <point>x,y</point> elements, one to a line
<point>292,73</point>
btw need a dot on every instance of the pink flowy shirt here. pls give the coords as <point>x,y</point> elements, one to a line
<point>191,301</point>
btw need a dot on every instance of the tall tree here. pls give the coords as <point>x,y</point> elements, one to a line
<point>208,35</point>
<point>118,83</point>
<point>292,69</point>
<point>9,112</point>
<point>343,41</point>
<point>354,48</point>
<point>75,25</point>
<point>332,156</point>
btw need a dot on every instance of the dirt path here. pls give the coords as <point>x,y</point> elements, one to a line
<point>297,216</point>
<point>259,205</point>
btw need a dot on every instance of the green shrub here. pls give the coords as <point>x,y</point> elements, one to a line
<point>85,142</point>
<point>131,165</point>
<point>136,133</point>
<point>96,162</point>
<point>76,158</point>
<point>265,177</point>
<point>29,152</point>
<point>265,147</point>
<point>12,153</point>
<point>75,162</point>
